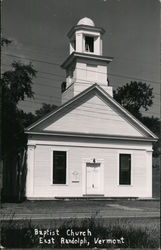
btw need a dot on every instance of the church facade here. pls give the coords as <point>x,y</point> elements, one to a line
<point>90,146</point>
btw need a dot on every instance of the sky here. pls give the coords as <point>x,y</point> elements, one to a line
<point>38,30</point>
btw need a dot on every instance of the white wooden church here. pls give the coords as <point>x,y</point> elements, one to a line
<point>90,146</point>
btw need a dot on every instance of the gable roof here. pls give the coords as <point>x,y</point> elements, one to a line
<point>36,128</point>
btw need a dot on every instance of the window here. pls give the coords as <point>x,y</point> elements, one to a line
<point>59,167</point>
<point>125,169</point>
<point>63,86</point>
<point>74,44</point>
<point>89,44</point>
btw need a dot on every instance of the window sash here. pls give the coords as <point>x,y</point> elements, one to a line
<point>125,169</point>
<point>59,167</point>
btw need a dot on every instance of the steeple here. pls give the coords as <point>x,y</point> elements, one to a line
<point>85,37</point>
<point>85,65</point>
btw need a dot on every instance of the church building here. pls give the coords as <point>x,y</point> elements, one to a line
<point>90,146</point>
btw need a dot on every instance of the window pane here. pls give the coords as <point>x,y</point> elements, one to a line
<point>59,167</point>
<point>125,169</point>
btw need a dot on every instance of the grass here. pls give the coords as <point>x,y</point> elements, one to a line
<point>41,206</point>
<point>20,234</point>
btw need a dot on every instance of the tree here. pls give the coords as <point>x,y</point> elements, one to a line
<point>134,97</point>
<point>45,109</point>
<point>29,118</point>
<point>154,124</point>
<point>17,83</point>
<point>16,86</point>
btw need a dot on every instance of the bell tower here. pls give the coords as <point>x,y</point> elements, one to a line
<point>85,65</point>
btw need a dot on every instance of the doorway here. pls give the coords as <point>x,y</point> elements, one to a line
<point>93,178</point>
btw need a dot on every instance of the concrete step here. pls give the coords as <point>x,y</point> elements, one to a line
<point>95,197</point>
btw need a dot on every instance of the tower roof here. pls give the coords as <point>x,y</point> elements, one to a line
<point>86,21</point>
<point>85,24</point>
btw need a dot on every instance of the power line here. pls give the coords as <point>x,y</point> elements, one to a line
<point>32,59</point>
<point>87,108</point>
<point>44,95</point>
<point>52,63</point>
<point>133,59</point>
<point>82,81</point>
<point>37,102</point>
<point>43,47</point>
<point>92,82</point>
<point>48,73</point>
<point>48,98</point>
<point>44,85</point>
<point>87,111</point>
<point>47,50</point>
<point>37,98</point>
<point>115,57</point>
<point>46,78</point>
<point>131,77</point>
<point>30,106</point>
<point>40,104</point>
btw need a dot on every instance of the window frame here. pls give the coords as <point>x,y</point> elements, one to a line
<point>52,167</point>
<point>129,169</point>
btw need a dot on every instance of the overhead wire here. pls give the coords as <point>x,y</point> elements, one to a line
<point>56,64</point>
<point>115,57</point>
<point>32,59</point>
<point>82,80</point>
<point>94,71</point>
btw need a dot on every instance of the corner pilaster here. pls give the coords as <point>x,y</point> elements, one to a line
<point>30,170</point>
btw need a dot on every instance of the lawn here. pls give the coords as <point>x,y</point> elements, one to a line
<point>135,233</point>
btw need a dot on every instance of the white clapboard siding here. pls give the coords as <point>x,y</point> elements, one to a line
<point>44,189</point>
<point>94,116</point>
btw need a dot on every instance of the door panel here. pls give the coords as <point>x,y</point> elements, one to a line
<point>93,178</point>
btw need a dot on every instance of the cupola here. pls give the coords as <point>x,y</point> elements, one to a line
<point>85,37</point>
<point>85,64</point>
